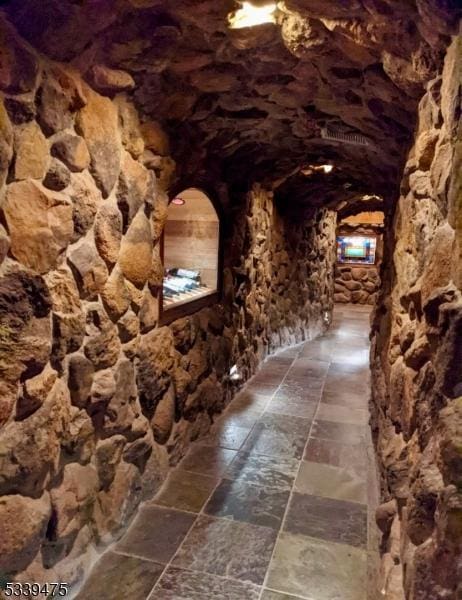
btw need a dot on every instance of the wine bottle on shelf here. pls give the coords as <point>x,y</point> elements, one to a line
<point>170,289</point>
<point>188,274</point>
<point>184,282</point>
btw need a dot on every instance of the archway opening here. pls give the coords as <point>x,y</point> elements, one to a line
<point>191,250</point>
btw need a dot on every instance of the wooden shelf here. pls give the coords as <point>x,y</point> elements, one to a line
<point>188,296</point>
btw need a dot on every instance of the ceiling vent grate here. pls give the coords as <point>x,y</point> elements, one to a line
<point>356,139</point>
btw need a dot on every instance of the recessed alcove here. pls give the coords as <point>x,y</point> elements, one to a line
<point>191,254</point>
<point>359,256</point>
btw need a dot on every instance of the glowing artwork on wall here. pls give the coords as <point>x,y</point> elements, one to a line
<point>356,249</point>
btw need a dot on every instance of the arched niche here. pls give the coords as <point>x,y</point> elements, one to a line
<point>191,251</point>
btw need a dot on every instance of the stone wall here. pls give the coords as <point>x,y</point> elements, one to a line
<point>416,358</point>
<point>356,283</point>
<point>97,400</point>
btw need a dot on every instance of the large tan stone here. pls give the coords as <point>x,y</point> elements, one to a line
<point>25,333</point>
<point>122,413</point>
<point>30,449</point>
<point>156,365</point>
<point>129,326</point>
<point>108,232</point>
<point>97,123</point>
<point>103,389</point>
<point>63,291</point>
<point>197,361</point>
<point>72,151</point>
<point>159,215</point>
<point>108,456</point>
<point>68,318</point>
<point>129,126</point>
<point>109,81</point>
<point>184,333</point>
<point>134,186</point>
<point>86,198</point>
<point>427,485</point>
<point>31,152</point>
<point>34,393</point>
<point>136,251</point>
<point>72,502</point>
<point>164,416</point>
<point>115,294</point>
<point>102,345</point>
<point>149,311</point>
<point>425,149</point>
<point>116,505</point>
<point>89,268</point>
<point>60,96</point>
<point>440,261</point>
<point>23,524</point>
<point>80,379</point>
<point>39,222</point>
<point>58,176</point>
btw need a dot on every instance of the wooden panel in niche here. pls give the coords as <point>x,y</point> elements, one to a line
<point>191,241</point>
<point>193,245</point>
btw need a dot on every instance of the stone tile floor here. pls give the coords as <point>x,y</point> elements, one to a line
<point>277,502</point>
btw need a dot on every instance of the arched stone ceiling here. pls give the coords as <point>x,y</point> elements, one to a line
<point>250,104</point>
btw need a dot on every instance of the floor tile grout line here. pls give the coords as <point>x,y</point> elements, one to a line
<point>222,478</point>
<point>294,483</point>
<point>294,596</point>
<point>284,517</point>
<point>201,572</point>
<point>169,564</point>
<point>201,513</point>
<point>199,443</point>
<point>138,556</point>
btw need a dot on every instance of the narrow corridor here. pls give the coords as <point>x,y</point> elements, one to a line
<point>278,501</point>
<point>186,188</point>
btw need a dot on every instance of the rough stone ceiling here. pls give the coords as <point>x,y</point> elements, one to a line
<point>249,104</point>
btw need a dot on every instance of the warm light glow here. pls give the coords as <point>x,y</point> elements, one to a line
<point>250,15</point>
<point>310,169</point>
<point>234,374</point>
<point>178,201</point>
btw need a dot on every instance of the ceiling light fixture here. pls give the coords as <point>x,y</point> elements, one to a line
<point>250,15</point>
<point>178,201</point>
<point>310,169</point>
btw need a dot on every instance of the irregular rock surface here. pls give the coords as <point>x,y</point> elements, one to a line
<point>73,151</point>
<point>135,256</point>
<point>97,393</point>
<point>39,222</point>
<point>20,545</point>
<point>417,337</point>
<point>31,152</point>
<point>97,123</point>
